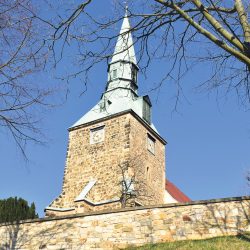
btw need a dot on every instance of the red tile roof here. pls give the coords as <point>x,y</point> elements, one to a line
<point>175,192</point>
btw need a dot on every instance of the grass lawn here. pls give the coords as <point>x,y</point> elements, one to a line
<point>220,243</point>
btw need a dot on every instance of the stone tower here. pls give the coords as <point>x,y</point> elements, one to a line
<point>115,156</point>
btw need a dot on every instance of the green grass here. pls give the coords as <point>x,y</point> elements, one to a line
<point>220,243</point>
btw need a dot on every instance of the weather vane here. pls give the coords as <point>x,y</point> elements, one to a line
<point>126,6</point>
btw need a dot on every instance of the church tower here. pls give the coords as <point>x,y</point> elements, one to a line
<point>115,156</point>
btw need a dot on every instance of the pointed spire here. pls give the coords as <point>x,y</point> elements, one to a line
<point>124,49</point>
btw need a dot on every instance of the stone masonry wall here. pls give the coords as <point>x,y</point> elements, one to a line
<point>98,161</point>
<point>131,226</point>
<point>125,142</point>
<point>149,168</point>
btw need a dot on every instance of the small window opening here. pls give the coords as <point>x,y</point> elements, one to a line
<point>148,174</point>
<point>146,112</point>
<point>134,75</point>
<point>114,73</point>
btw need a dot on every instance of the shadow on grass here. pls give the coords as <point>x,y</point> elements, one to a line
<point>245,237</point>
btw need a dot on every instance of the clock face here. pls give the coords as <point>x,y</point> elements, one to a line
<point>97,135</point>
<point>151,145</point>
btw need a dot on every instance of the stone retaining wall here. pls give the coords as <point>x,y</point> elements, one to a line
<point>133,226</point>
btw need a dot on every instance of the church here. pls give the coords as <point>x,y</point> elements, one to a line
<point>115,155</point>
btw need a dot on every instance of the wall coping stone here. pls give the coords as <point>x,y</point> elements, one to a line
<point>123,210</point>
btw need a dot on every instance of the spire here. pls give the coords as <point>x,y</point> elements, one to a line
<point>124,49</point>
<point>121,92</point>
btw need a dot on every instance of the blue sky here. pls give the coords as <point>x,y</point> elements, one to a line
<point>207,155</point>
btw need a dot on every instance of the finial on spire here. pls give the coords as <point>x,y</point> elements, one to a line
<point>126,8</point>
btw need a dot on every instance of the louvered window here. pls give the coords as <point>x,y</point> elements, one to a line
<point>146,112</point>
<point>134,75</point>
<point>114,73</point>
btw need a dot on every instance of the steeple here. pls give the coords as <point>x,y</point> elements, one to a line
<point>121,92</point>
<point>117,132</point>
<point>123,69</point>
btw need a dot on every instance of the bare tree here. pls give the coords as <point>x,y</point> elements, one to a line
<point>170,29</point>
<point>23,54</point>
<point>166,30</point>
<point>133,185</point>
<point>248,179</point>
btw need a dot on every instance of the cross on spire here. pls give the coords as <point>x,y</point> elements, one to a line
<point>126,10</point>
